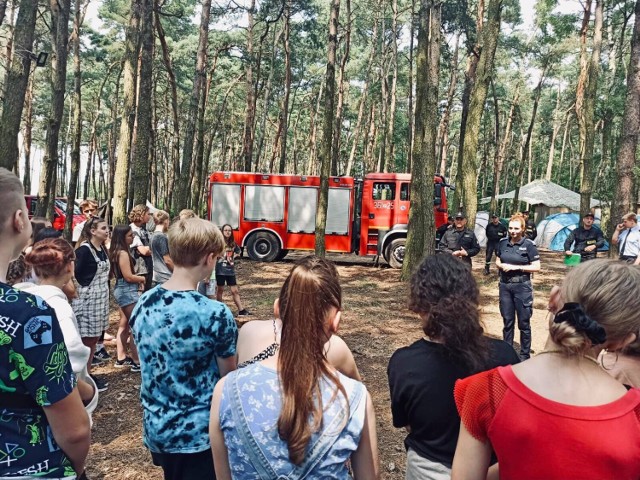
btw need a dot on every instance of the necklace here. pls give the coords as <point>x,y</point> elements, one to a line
<point>588,357</point>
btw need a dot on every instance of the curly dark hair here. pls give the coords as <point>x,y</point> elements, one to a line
<point>444,292</point>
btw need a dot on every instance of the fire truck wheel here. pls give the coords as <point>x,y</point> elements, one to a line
<point>394,254</point>
<point>263,247</point>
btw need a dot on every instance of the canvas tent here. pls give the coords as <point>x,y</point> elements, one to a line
<point>554,230</point>
<point>482,219</point>
<point>544,192</point>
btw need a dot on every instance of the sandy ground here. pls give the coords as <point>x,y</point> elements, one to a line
<point>375,323</point>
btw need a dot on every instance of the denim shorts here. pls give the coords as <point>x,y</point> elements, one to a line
<point>126,293</point>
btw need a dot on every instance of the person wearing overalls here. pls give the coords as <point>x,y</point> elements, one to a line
<point>588,239</point>
<point>627,236</point>
<point>517,259</point>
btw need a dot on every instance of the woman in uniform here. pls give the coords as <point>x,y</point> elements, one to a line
<point>517,259</point>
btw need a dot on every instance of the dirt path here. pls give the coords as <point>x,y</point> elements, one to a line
<point>375,323</point>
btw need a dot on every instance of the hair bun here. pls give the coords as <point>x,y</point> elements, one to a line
<point>574,315</point>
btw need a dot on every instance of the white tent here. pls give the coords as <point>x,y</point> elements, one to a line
<point>544,192</point>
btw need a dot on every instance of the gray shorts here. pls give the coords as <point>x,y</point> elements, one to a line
<point>125,293</point>
<point>420,468</point>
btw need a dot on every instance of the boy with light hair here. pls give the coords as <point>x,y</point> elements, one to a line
<point>37,383</point>
<point>88,208</point>
<point>186,343</point>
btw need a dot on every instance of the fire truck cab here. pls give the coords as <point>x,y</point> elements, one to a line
<point>272,214</point>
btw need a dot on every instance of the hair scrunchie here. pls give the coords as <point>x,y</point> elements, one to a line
<point>574,315</point>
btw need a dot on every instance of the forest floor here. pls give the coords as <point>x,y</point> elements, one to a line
<point>375,322</point>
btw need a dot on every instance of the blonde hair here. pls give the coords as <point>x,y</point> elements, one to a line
<point>137,213</point>
<point>630,216</point>
<point>11,195</point>
<point>607,291</point>
<point>518,217</point>
<point>160,217</point>
<point>192,239</point>
<point>187,213</point>
<point>88,203</point>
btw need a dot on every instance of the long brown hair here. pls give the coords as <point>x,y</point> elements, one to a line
<point>119,244</point>
<point>306,300</point>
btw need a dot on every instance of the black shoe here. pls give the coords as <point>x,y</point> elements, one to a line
<point>102,354</point>
<point>244,313</point>
<point>126,362</point>
<point>101,384</point>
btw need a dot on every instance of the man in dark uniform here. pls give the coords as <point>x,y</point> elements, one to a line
<point>588,238</point>
<point>517,259</point>
<point>496,231</point>
<point>443,228</point>
<point>530,232</point>
<point>460,241</point>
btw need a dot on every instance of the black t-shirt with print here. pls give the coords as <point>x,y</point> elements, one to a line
<point>34,363</point>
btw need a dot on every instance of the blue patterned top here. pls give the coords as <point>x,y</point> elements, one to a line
<point>179,335</point>
<point>254,393</point>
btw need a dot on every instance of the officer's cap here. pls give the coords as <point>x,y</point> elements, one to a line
<point>460,215</point>
<point>494,215</point>
<point>589,214</point>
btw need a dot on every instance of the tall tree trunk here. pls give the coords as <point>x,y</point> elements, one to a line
<point>623,201</point>
<point>342,83</point>
<point>586,99</point>
<point>390,150</point>
<point>140,165</point>
<point>182,194</point>
<point>327,128</point>
<point>501,151</point>
<point>250,114</point>
<point>166,58</point>
<point>77,125</point>
<point>284,112</point>
<point>421,218</point>
<point>557,122</point>
<point>412,23</point>
<point>266,98</point>
<point>18,78</point>
<point>313,143</point>
<point>484,71</point>
<point>28,136</point>
<point>443,128</point>
<point>127,116</point>
<point>526,150</point>
<point>59,42</point>
<point>363,99</point>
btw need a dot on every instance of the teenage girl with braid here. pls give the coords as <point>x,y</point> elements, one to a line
<point>560,415</point>
<point>292,414</point>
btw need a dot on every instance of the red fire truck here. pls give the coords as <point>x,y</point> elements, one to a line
<point>272,214</point>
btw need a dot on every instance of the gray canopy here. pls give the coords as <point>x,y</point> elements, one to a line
<point>544,192</point>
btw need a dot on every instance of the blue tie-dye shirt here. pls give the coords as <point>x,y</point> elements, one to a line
<point>179,335</point>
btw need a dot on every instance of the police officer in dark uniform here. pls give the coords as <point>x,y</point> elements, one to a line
<point>531,232</point>
<point>443,228</point>
<point>459,240</point>
<point>517,259</point>
<point>496,231</point>
<point>588,238</point>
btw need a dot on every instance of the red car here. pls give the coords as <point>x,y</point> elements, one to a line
<point>59,209</point>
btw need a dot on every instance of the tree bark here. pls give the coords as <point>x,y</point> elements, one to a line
<point>18,78</point>
<point>623,200</point>
<point>127,116</point>
<point>28,136</point>
<point>284,113</point>
<point>484,71</point>
<point>250,114</point>
<point>140,165</point>
<point>421,218</point>
<point>59,43</point>
<point>389,154</point>
<point>443,128</point>
<point>585,101</point>
<point>77,125</point>
<point>182,194</point>
<point>557,123</point>
<point>327,129</point>
<point>342,83</point>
